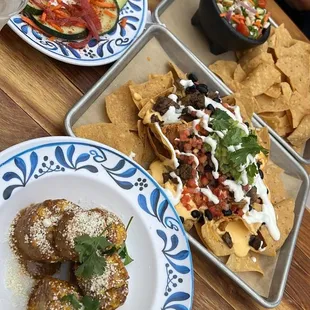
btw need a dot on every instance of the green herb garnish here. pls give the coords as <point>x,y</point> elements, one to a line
<point>123,252</point>
<point>86,303</point>
<point>231,162</point>
<point>91,252</point>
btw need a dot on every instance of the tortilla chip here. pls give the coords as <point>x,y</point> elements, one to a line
<point>300,149</point>
<point>117,136</point>
<point>263,137</point>
<point>149,104</point>
<point>256,61</point>
<point>297,70</point>
<point>252,53</point>
<point>274,182</point>
<point>120,107</point>
<point>272,41</point>
<point>261,79</point>
<point>178,73</point>
<point>302,133</point>
<point>283,37</point>
<point>274,91</point>
<point>212,239</point>
<point>239,74</point>
<point>299,107</point>
<point>150,89</point>
<point>225,70</point>
<point>229,99</point>
<point>278,121</point>
<point>246,104</point>
<point>285,220</point>
<point>243,264</point>
<point>298,49</point>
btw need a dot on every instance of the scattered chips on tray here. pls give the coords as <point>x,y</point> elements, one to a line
<point>277,75</point>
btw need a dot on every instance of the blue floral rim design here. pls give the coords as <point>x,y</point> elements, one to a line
<point>67,157</point>
<point>109,48</point>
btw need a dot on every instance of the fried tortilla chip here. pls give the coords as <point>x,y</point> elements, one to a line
<point>247,104</point>
<point>263,137</point>
<point>274,91</point>
<point>239,74</point>
<point>299,107</point>
<point>177,72</point>
<point>120,107</point>
<point>243,264</point>
<point>298,49</point>
<point>229,99</point>
<point>285,220</point>
<point>283,37</point>
<point>302,133</point>
<point>261,79</point>
<point>274,182</point>
<point>297,70</point>
<point>143,92</point>
<point>225,70</point>
<point>117,136</point>
<point>212,239</point>
<point>252,53</point>
<point>256,61</point>
<point>278,121</point>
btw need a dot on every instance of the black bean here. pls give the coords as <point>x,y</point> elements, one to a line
<point>217,99</point>
<point>210,107</point>
<point>250,207</point>
<point>195,214</point>
<point>248,125</point>
<point>267,191</point>
<point>227,212</point>
<point>208,214</point>
<point>259,163</point>
<point>203,88</point>
<point>201,220</point>
<point>257,241</point>
<point>261,173</point>
<point>182,219</point>
<point>227,239</point>
<point>192,77</point>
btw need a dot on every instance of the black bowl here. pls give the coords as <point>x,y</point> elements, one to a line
<point>222,36</point>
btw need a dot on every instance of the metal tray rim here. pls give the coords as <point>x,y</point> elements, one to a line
<point>111,74</point>
<point>156,18</point>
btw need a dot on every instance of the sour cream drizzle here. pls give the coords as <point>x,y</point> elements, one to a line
<point>175,198</point>
<point>267,215</point>
<point>207,192</point>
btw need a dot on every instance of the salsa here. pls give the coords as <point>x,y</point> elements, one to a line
<point>249,17</point>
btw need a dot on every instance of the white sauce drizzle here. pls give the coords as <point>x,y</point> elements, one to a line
<point>267,215</point>
<point>171,116</point>
<point>207,192</point>
<point>173,97</point>
<point>186,83</point>
<point>175,199</point>
<point>235,188</point>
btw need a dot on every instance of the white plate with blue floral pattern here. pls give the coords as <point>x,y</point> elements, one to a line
<point>92,175</point>
<point>110,47</point>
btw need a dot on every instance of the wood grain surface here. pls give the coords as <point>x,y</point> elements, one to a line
<point>35,94</point>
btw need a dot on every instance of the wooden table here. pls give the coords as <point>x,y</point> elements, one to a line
<point>35,94</point>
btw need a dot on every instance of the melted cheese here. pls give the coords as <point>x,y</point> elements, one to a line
<point>240,236</point>
<point>157,169</point>
<point>148,116</point>
<point>182,211</point>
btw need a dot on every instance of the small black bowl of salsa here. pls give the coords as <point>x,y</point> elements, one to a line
<point>231,25</point>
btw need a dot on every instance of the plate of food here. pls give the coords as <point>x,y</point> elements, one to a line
<point>81,32</point>
<point>85,227</point>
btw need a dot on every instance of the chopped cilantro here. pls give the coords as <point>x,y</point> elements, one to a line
<point>234,136</point>
<point>251,172</point>
<point>123,252</point>
<point>86,303</point>
<point>91,252</point>
<point>221,120</point>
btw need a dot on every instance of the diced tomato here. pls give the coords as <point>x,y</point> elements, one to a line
<point>185,199</point>
<point>187,147</point>
<point>204,181</point>
<point>243,29</point>
<point>262,3</point>
<point>203,159</point>
<point>191,183</point>
<point>184,135</point>
<point>198,199</point>
<point>215,212</point>
<point>222,178</point>
<point>189,190</point>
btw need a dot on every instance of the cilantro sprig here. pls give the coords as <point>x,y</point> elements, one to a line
<point>230,162</point>
<point>86,303</point>
<point>123,252</point>
<point>92,253</point>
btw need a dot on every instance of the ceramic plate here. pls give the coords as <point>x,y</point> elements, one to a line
<point>110,47</point>
<point>91,174</point>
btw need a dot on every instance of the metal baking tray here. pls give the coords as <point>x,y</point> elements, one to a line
<point>305,159</point>
<point>187,62</point>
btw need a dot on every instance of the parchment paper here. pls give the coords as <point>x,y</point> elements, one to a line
<point>153,59</point>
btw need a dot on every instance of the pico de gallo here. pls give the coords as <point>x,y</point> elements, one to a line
<point>76,21</point>
<point>249,17</point>
<point>215,164</point>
